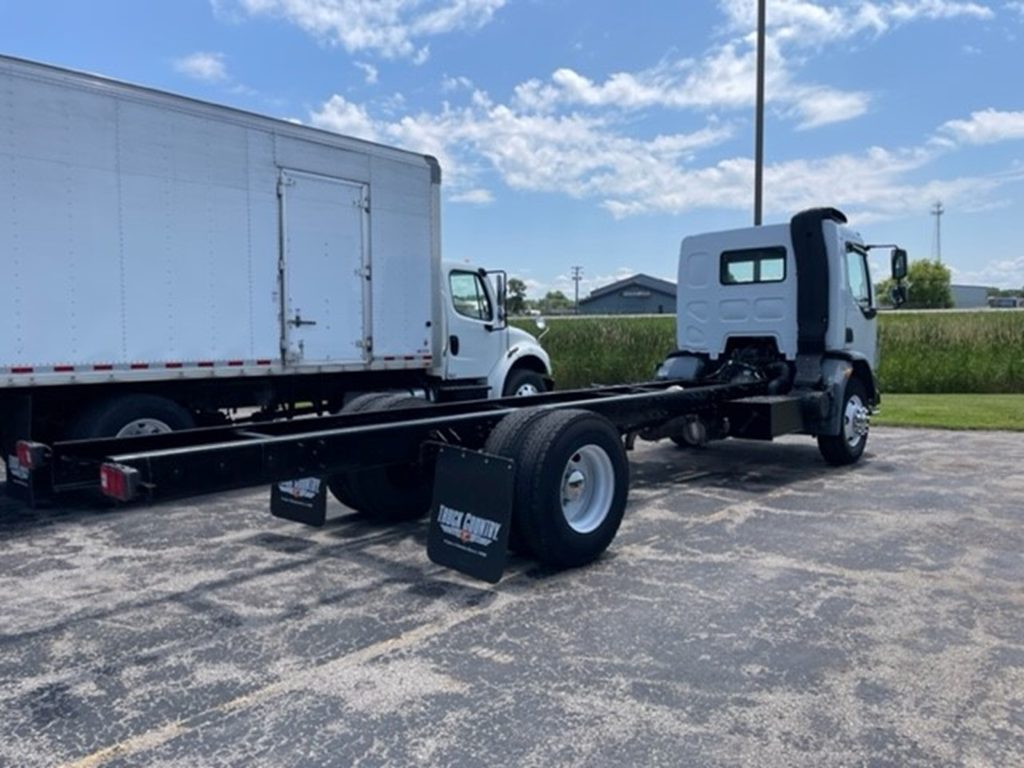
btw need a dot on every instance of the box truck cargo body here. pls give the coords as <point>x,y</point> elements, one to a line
<point>160,248</point>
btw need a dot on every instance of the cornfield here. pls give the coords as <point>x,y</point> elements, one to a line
<point>920,351</point>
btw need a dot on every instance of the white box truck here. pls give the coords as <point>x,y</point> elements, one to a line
<point>165,259</point>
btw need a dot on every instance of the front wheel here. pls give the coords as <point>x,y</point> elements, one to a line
<point>848,446</point>
<point>522,382</point>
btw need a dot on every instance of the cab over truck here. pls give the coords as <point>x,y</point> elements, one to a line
<point>166,260</point>
<point>776,334</point>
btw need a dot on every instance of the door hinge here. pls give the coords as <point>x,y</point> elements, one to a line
<point>366,344</point>
<point>283,182</point>
<point>364,272</point>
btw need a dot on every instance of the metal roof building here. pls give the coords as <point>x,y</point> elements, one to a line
<point>637,295</point>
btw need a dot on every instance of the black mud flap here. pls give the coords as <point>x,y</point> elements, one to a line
<point>471,512</point>
<point>302,501</point>
<point>33,487</point>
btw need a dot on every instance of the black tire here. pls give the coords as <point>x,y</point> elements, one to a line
<point>848,446</point>
<point>338,484</point>
<point>506,440</point>
<point>389,493</point>
<point>130,415</point>
<point>522,382</point>
<point>566,452</point>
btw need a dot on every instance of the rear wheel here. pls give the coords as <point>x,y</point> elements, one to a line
<point>848,446</point>
<point>572,479</point>
<point>338,485</point>
<point>506,440</point>
<point>387,493</point>
<point>131,416</point>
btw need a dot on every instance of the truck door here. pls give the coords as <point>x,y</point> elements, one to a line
<point>861,333</point>
<point>474,345</point>
<point>324,224</point>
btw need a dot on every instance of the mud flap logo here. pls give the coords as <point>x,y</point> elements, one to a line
<point>303,500</point>
<point>468,528</point>
<point>471,512</point>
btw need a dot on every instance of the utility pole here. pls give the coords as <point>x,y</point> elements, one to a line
<point>759,115</point>
<point>577,275</point>
<point>937,211</point>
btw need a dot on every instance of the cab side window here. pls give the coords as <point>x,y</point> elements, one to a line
<point>469,297</point>
<point>857,277</point>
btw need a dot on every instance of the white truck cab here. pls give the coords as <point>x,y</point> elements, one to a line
<point>740,285</point>
<point>478,342</point>
<point>795,299</point>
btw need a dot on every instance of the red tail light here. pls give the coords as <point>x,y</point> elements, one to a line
<point>31,455</point>
<point>119,481</point>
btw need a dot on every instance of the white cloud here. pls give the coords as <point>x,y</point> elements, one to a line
<point>390,28</point>
<point>1005,273</point>
<point>477,196</point>
<point>986,127</point>
<point>342,116</point>
<point>588,157</point>
<point>370,72</point>
<point>451,84</point>
<point>203,65</point>
<point>723,80</point>
<point>807,23</point>
<point>1016,7</point>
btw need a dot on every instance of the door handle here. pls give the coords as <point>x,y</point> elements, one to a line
<point>299,322</point>
<point>453,344</point>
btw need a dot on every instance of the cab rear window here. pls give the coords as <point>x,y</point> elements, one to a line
<point>753,265</point>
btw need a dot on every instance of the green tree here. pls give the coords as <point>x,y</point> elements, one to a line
<point>883,291</point>
<point>555,302</point>
<point>516,296</point>
<point>928,285</point>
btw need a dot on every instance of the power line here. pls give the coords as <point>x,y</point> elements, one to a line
<point>577,275</point>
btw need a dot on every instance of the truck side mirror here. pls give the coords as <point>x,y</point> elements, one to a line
<point>899,264</point>
<point>898,295</point>
<point>501,298</point>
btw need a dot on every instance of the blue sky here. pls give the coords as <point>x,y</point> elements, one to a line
<point>598,133</point>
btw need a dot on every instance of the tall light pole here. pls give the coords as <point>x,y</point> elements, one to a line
<point>759,115</point>
<point>937,211</point>
<point>577,275</point>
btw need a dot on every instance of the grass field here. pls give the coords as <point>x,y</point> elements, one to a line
<point>952,352</point>
<point>921,352</point>
<point>953,411</point>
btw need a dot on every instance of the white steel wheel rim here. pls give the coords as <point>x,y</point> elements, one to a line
<point>588,487</point>
<point>145,426</point>
<point>856,421</point>
<point>526,389</point>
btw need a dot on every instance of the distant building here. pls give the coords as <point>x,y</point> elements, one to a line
<point>1006,302</point>
<point>636,295</point>
<point>969,296</point>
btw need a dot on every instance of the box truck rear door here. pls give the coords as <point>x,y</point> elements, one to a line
<point>325,224</point>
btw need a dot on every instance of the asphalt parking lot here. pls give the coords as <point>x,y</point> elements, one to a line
<point>757,608</point>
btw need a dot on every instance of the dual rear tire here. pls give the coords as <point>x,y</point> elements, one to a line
<point>388,493</point>
<point>571,483</point>
<point>570,486</point>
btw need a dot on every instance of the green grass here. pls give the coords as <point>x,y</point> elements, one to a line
<point>952,411</point>
<point>605,350</point>
<point>920,352</point>
<point>952,352</point>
